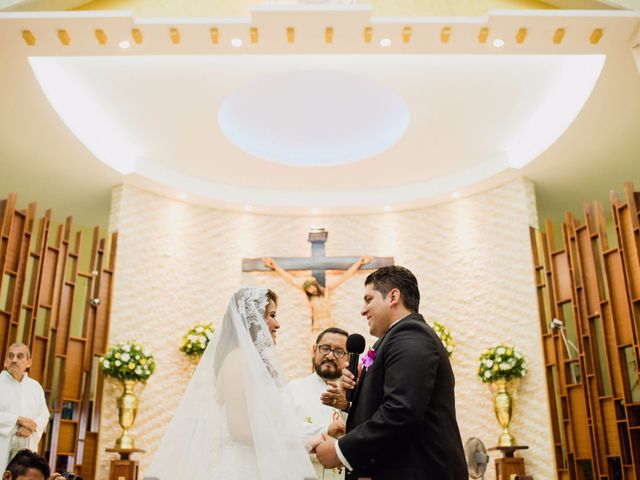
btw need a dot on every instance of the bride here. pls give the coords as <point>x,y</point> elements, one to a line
<point>234,422</point>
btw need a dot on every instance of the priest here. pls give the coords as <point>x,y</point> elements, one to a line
<point>329,358</point>
<point>23,409</point>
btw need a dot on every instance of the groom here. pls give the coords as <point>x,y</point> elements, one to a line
<point>402,421</point>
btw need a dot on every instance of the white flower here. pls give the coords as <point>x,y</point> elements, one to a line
<point>118,363</point>
<point>137,357</point>
<point>501,351</point>
<point>487,374</point>
<point>106,364</point>
<point>138,371</point>
<point>192,338</point>
<point>126,348</point>
<point>146,371</point>
<point>125,357</point>
<point>203,339</point>
<point>199,330</point>
<point>488,362</point>
<point>146,353</point>
<point>505,366</point>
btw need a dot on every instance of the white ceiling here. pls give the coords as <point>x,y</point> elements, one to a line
<point>96,115</point>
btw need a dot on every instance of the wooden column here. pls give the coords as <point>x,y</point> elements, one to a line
<point>55,294</point>
<point>590,282</point>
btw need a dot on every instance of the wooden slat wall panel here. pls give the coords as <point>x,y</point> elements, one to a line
<point>597,430</point>
<point>39,271</point>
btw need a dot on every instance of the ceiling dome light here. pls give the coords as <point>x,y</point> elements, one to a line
<point>124,44</point>
<point>236,42</point>
<point>498,43</point>
<point>348,118</point>
<point>385,42</point>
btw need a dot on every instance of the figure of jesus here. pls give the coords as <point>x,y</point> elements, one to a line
<point>319,297</point>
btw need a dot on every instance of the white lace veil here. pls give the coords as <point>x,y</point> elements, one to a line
<point>234,398</point>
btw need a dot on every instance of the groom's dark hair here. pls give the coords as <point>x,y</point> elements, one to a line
<point>386,279</point>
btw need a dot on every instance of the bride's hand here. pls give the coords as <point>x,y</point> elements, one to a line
<point>337,429</point>
<point>311,444</point>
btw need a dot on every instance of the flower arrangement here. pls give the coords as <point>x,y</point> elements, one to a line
<point>445,337</point>
<point>195,341</point>
<point>128,361</point>
<point>501,361</point>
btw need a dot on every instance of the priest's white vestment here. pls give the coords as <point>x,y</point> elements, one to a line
<point>315,416</point>
<point>23,398</point>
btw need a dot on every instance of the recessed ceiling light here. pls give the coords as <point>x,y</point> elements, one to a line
<point>183,196</point>
<point>498,42</point>
<point>124,44</point>
<point>248,208</point>
<point>385,42</point>
<point>387,208</point>
<point>236,42</point>
<point>456,194</point>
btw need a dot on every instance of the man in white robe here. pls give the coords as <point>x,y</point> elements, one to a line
<point>329,358</point>
<point>23,409</point>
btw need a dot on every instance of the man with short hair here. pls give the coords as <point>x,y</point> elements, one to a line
<point>402,420</point>
<point>329,358</point>
<point>27,465</point>
<point>23,409</point>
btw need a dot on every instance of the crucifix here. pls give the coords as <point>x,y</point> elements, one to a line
<point>315,288</point>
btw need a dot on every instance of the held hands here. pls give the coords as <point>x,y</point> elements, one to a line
<point>337,429</point>
<point>311,444</point>
<point>326,452</point>
<point>27,424</point>
<point>334,397</point>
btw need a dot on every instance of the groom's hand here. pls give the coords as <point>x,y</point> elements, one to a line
<point>348,380</point>
<point>326,452</point>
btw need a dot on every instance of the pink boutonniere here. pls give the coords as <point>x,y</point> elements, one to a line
<point>368,358</point>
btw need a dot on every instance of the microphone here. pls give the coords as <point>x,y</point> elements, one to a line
<point>355,346</point>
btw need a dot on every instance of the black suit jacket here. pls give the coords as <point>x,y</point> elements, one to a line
<point>402,421</point>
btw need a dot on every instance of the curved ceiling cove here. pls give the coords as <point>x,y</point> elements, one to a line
<point>295,132</point>
<point>313,117</point>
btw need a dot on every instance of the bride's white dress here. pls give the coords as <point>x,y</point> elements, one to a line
<point>234,421</point>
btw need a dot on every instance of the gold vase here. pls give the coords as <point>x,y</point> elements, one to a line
<point>504,402</point>
<point>127,409</point>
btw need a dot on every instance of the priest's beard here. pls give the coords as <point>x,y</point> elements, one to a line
<point>327,370</point>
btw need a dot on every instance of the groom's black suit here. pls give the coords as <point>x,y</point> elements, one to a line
<point>402,421</point>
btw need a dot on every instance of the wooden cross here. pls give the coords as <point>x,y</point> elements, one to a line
<point>318,263</point>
